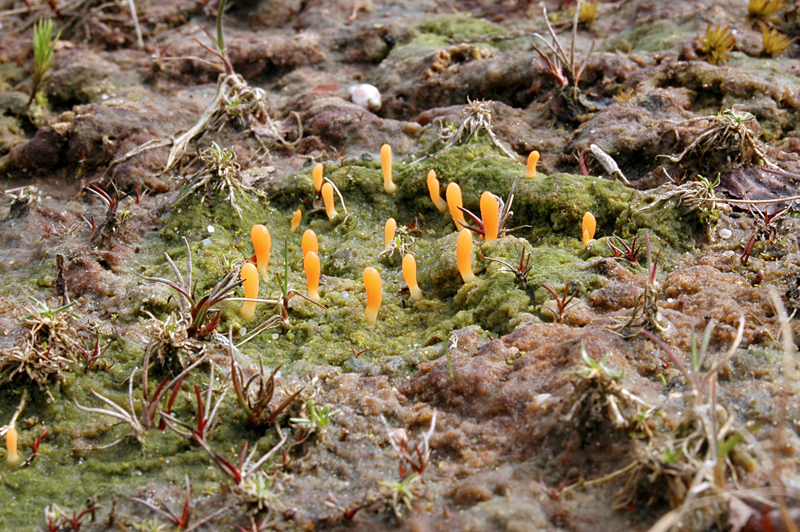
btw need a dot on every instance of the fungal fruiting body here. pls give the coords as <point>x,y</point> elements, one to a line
<point>589,225</point>
<point>262,243</point>
<point>366,96</point>
<point>533,158</point>
<point>13,457</point>
<point>311,266</point>
<point>433,190</point>
<point>410,276</point>
<point>250,277</point>
<point>464,255</point>
<point>453,195</point>
<point>309,242</point>
<point>327,199</point>
<point>372,283</point>
<point>298,214</point>
<point>490,215</point>
<point>388,233</point>
<point>386,166</point>
<point>316,177</point>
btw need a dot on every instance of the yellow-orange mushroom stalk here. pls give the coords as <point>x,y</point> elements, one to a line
<point>309,242</point>
<point>13,457</point>
<point>433,190</point>
<point>316,177</point>
<point>589,226</point>
<point>453,195</point>
<point>250,277</point>
<point>296,217</point>
<point>533,158</point>
<point>388,233</point>
<point>386,166</point>
<point>410,276</point>
<point>464,255</point>
<point>490,215</point>
<point>262,243</point>
<point>327,199</point>
<point>311,266</point>
<point>372,283</point>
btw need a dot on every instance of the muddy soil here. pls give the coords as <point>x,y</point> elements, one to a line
<point>640,376</point>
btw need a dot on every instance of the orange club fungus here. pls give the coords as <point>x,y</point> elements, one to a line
<point>433,190</point>
<point>464,255</point>
<point>588,228</point>
<point>490,215</point>
<point>327,199</point>
<point>386,166</point>
<point>410,276</point>
<point>372,283</point>
<point>388,233</point>
<point>453,195</point>
<point>312,268</point>
<point>296,217</point>
<point>316,177</point>
<point>250,277</point>
<point>13,457</point>
<point>309,242</point>
<point>262,243</point>
<point>533,158</point>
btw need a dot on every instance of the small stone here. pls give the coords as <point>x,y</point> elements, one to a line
<point>725,233</point>
<point>366,96</point>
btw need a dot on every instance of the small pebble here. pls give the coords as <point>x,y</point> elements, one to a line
<point>210,229</point>
<point>725,233</point>
<point>206,242</point>
<point>366,96</point>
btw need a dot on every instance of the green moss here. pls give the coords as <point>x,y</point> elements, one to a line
<point>406,334</point>
<point>462,28</point>
<point>660,36</point>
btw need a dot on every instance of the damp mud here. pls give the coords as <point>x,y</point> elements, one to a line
<point>640,375</point>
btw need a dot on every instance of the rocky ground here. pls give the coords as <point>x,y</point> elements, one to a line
<point>641,380</point>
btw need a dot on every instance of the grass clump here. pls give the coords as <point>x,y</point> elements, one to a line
<point>764,8</point>
<point>716,44</point>
<point>774,42</point>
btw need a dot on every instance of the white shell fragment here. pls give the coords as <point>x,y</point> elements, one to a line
<point>366,96</point>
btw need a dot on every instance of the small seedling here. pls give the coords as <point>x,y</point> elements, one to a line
<point>204,316</point>
<point>94,356</point>
<point>476,116</point>
<point>417,459</point>
<point>57,519</point>
<point>623,251</point>
<point>593,367</point>
<point>113,220</point>
<point>35,447</point>
<point>219,49</point>
<point>257,527</point>
<point>256,404</point>
<point>43,310</point>
<point>400,491</point>
<point>150,405</point>
<point>44,46</point>
<point>179,521</point>
<point>318,416</point>
<point>562,301</point>
<point>520,272</point>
